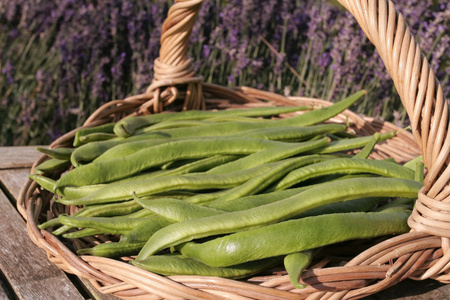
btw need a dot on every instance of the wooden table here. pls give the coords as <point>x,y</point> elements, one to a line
<point>27,273</point>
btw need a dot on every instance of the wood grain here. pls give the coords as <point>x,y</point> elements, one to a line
<point>18,157</point>
<point>24,265</point>
<point>13,179</point>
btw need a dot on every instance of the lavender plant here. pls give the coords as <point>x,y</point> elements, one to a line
<point>60,60</point>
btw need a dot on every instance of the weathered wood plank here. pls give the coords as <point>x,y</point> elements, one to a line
<point>18,157</point>
<point>24,265</point>
<point>13,180</point>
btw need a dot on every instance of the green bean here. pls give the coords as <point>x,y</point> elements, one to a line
<point>291,133</point>
<point>404,203</point>
<point>294,236</point>
<point>130,243</point>
<point>256,200</point>
<point>419,172</point>
<point>95,137</point>
<point>193,123</point>
<point>88,152</point>
<point>344,166</point>
<point>83,233</point>
<point>122,167</point>
<point>365,152</point>
<point>109,210</point>
<point>295,263</point>
<point>50,223</point>
<point>58,153</point>
<point>413,162</point>
<point>197,181</point>
<point>356,205</point>
<point>45,182</point>
<point>268,155</point>
<point>105,128</point>
<point>175,210</point>
<point>262,181</point>
<point>50,165</point>
<point>143,231</point>
<point>338,191</point>
<point>114,225</point>
<point>77,192</point>
<point>353,143</point>
<point>230,128</point>
<point>128,126</point>
<point>174,264</point>
<point>113,249</point>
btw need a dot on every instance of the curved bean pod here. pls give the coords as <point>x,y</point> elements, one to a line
<point>122,167</point>
<point>269,155</point>
<point>50,165</point>
<point>307,119</point>
<point>128,126</point>
<point>296,235</point>
<point>88,152</point>
<point>338,191</point>
<point>177,265</point>
<point>344,166</point>
<point>114,192</point>
<point>105,128</point>
<point>295,263</point>
<point>59,153</point>
<point>114,225</point>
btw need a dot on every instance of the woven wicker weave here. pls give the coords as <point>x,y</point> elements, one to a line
<point>422,253</point>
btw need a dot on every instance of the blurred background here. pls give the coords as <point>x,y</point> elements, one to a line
<point>60,60</point>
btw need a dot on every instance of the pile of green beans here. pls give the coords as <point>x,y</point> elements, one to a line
<point>227,193</point>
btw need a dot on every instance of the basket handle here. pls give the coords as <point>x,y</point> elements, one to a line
<point>419,90</point>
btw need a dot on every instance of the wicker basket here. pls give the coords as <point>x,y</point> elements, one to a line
<point>422,253</point>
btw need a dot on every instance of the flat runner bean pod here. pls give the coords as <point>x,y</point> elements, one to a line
<point>296,235</point>
<point>262,181</point>
<point>110,210</point>
<point>78,192</point>
<point>50,165</point>
<point>337,191</point>
<point>292,133</point>
<point>193,123</point>
<point>269,155</point>
<point>83,233</point>
<point>276,134</point>
<point>175,210</point>
<point>114,225</point>
<point>344,166</point>
<point>122,167</point>
<point>130,243</point>
<point>173,264</point>
<point>114,192</point>
<point>365,152</point>
<point>88,152</point>
<point>352,143</point>
<point>128,126</point>
<point>105,128</point>
<point>307,119</point>
<point>95,137</point>
<point>113,249</point>
<point>143,231</point>
<point>58,153</point>
<point>295,263</point>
